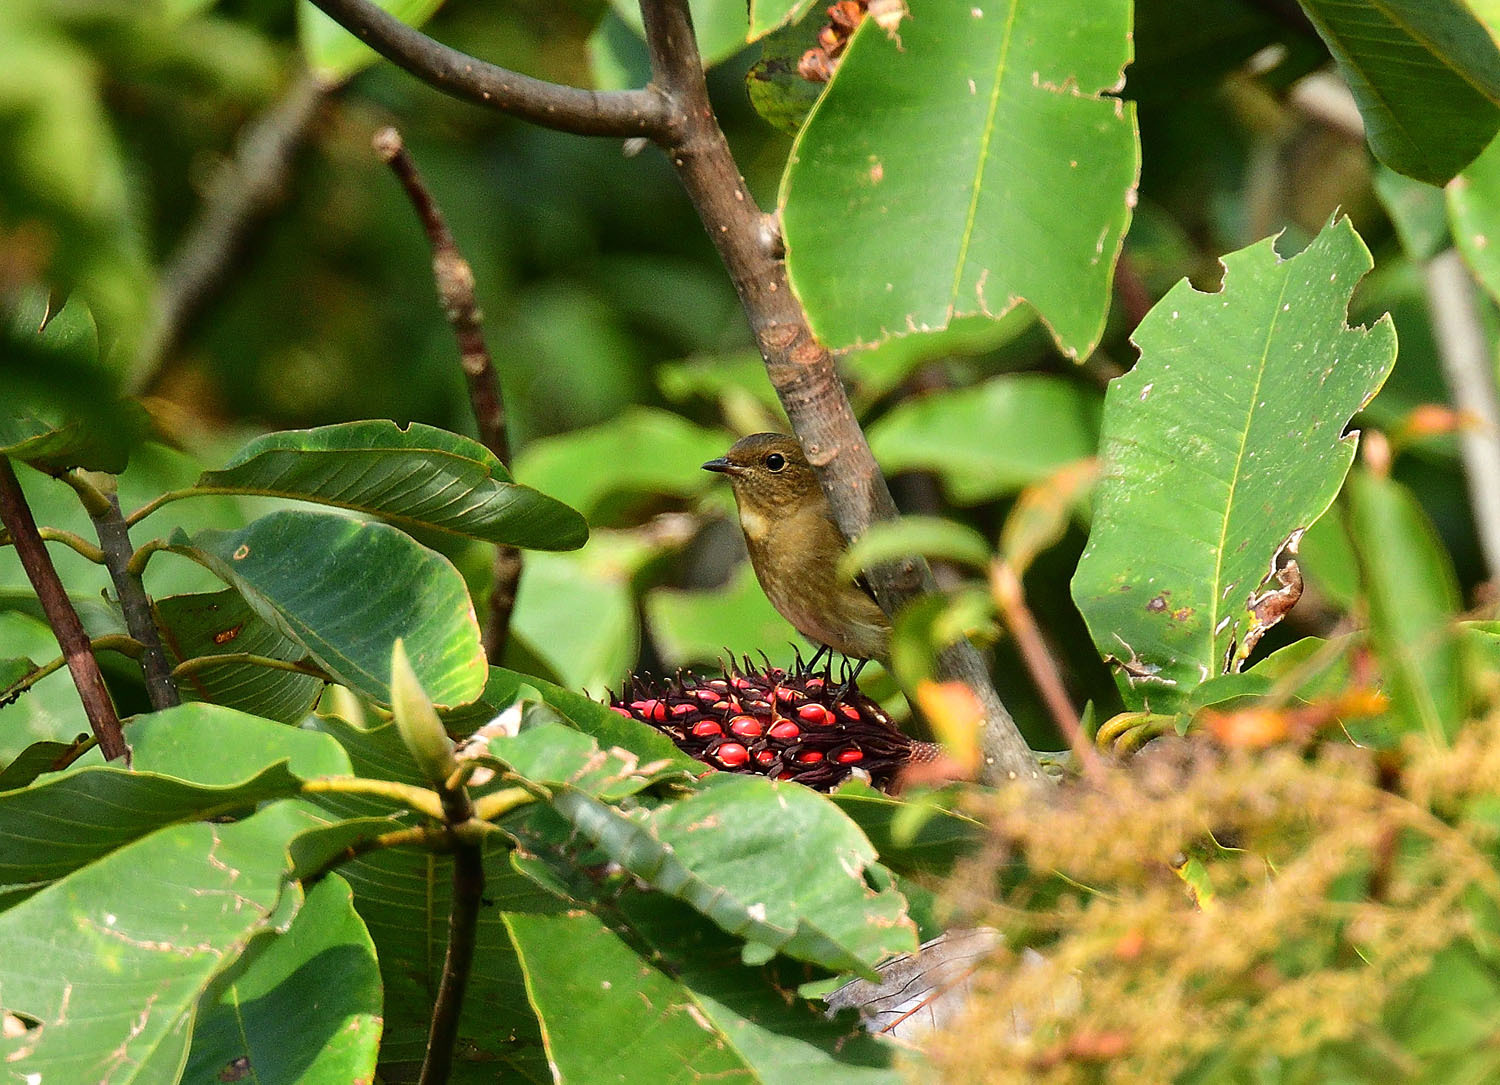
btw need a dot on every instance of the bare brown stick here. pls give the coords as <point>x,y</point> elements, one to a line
<point>455,286</point>
<point>248,188</point>
<point>675,113</point>
<point>15,514</point>
<point>114,540</point>
<point>800,368</point>
<point>1009,597</point>
<point>619,113</point>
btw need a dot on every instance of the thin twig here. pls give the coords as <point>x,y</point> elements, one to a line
<point>73,542</point>
<point>800,368</point>
<point>112,642</point>
<point>1010,598</point>
<point>246,190</point>
<point>114,540</point>
<point>620,113</point>
<point>15,514</point>
<point>455,286</point>
<point>1469,369</point>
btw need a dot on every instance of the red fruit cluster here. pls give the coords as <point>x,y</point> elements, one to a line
<point>789,726</point>
<point>817,65</point>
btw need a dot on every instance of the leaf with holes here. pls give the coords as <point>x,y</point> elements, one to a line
<point>1222,445</point>
<point>345,590</point>
<point>966,163</point>
<point>414,477</point>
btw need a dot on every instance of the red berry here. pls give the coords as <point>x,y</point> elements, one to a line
<point>787,775</point>
<point>786,730</point>
<point>721,706</point>
<point>849,756</point>
<point>816,715</point>
<point>705,728</point>
<point>815,684</point>
<point>740,682</point>
<point>651,709</point>
<point>718,684</point>
<point>732,754</point>
<point>683,709</point>
<point>810,757</point>
<point>707,696</point>
<point>746,726</point>
<point>789,696</point>
<point>765,757</point>
<point>850,712</point>
<point>622,711</point>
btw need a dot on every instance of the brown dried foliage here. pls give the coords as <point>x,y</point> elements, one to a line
<point>1336,877</point>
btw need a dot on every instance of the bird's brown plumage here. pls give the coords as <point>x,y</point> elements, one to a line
<point>795,546</point>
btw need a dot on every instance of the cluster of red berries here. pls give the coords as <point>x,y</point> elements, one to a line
<point>817,65</point>
<point>790,726</point>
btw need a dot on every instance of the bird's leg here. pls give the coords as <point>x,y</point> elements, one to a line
<point>812,663</point>
<point>850,679</point>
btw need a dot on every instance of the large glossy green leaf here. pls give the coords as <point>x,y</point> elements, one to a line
<point>965,165</point>
<point>991,439</point>
<point>551,753</point>
<point>1407,578</point>
<point>1223,443</point>
<point>414,477</point>
<point>222,623</point>
<point>191,762</point>
<point>111,961</point>
<point>774,864</point>
<point>306,1007</point>
<point>334,54</point>
<point>345,590</point>
<point>1474,211</point>
<point>608,1015</point>
<point>403,897</point>
<point>783,1040</point>
<point>643,453</point>
<point>1426,75</point>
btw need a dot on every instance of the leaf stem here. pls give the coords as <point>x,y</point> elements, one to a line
<point>67,538</point>
<point>455,286</point>
<point>127,646</point>
<point>200,663</point>
<point>16,517</point>
<point>420,799</point>
<point>162,499</point>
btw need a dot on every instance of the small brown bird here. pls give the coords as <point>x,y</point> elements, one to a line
<point>795,547</point>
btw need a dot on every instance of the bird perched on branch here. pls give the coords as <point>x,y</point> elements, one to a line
<point>795,547</point>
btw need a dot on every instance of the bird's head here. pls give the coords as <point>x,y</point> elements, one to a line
<point>769,473</point>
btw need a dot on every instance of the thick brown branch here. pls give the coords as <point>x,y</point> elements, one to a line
<point>15,514</point>
<point>801,369</point>
<point>455,286</point>
<point>621,113</point>
<point>114,540</point>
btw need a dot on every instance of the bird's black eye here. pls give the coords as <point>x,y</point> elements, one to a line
<point>775,461</point>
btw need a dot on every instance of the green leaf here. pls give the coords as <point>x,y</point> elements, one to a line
<point>641,453</point>
<point>767,15</point>
<point>1413,599</point>
<point>1474,210</point>
<point>606,1013</point>
<point>335,55</point>
<point>963,165</point>
<point>345,590</point>
<point>50,709</point>
<point>1426,76</point>
<point>774,864</point>
<point>690,627</point>
<point>1220,447</point>
<point>782,1040</point>
<point>553,754</point>
<point>777,90</point>
<point>414,477</point>
<point>577,612</point>
<point>990,440</point>
<point>921,836</point>
<point>36,759</point>
<point>130,943</point>
<point>191,762</point>
<point>305,1008</point>
<point>720,25</point>
<point>929,536</point>
<point>222,623</point>
<point>1416,211</point>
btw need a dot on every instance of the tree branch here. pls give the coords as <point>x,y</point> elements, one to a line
<point>455,287</point>
<point>15,514</point>
<point>114,540</point>
<point>1469,369</point>
<point>246,190</point>
<point>800,368</point>
<point>622,113</point>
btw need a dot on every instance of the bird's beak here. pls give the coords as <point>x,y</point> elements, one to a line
<point>723,467</point>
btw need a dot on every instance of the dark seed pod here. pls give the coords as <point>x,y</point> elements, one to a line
<point>789,725</point>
